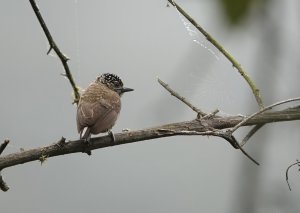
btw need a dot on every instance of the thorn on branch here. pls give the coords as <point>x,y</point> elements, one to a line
<point>3,145</point>
<point>61,143</point>
<point>43,156</point>
<point>66,58</point>
<point>50,48</point>
<point>3,186</point>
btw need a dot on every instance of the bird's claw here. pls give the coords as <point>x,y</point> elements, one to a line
<point>87,143</point>
<point>113,139</point>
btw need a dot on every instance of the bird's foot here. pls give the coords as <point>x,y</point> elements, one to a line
<point>111,134</point>
<point>87,143</point>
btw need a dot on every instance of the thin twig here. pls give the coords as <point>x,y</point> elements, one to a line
<point>261,111</point>
<point>287,173</point>
<point>234,62</point>
<point>251,133</point>
<point>3,145</point>
<point>230,131</point>
<point>249,156</point>
<point>232,140</point>
<point>3,186</point>
<point>226,135</point>
<point>53,46</point>
<point>181,98</point>
<point>210,115</point>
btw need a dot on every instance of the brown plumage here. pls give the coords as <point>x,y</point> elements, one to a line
<point>100,105</point>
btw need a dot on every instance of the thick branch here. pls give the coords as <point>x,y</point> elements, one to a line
<point>193,127</point>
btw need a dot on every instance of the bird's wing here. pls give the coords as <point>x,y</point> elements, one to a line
<point>106,121</point>
<point>96,114</point>
<point>88,113</point>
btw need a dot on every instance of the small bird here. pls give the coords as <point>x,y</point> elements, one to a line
<point>100,105</point>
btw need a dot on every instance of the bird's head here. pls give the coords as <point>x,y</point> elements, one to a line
<point>113,82</point>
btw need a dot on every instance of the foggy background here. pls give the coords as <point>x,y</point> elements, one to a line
<point>140,41</point>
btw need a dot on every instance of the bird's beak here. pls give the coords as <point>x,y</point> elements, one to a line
<point>124,89</point>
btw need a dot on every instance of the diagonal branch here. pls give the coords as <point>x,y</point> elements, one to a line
<point>251,133</point>
<point>181,98</point>
<point>206,127</point>
<point>64,59</point>
<point>193,127</point>
<point>234,62</point>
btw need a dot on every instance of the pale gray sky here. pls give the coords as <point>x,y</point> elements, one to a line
<point>140,40</point>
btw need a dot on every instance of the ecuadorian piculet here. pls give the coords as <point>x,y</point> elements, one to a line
<point>100,105</point>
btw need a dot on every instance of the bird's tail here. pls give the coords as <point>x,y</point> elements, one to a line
<point>85,133</point>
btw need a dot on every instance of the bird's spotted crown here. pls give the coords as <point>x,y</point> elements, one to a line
<point>111,80</point>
